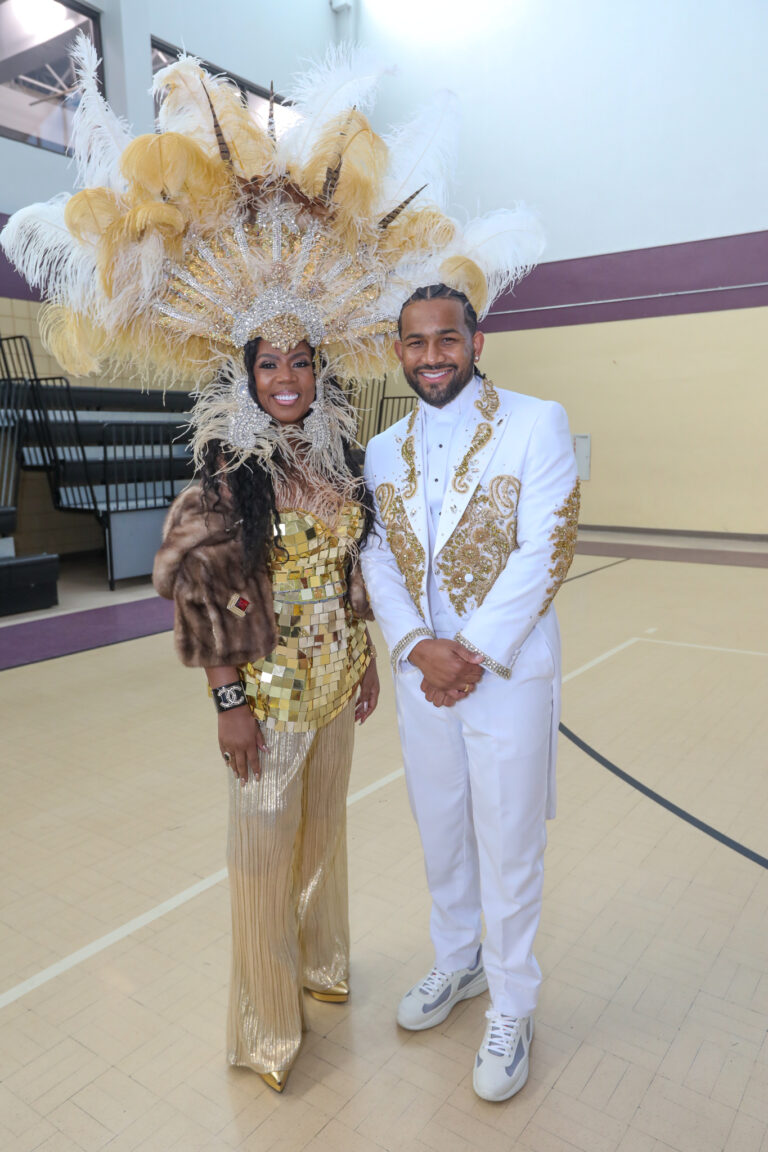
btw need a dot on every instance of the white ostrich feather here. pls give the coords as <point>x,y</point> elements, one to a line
<point>185,107</point>
<point>415,271</point>
<point>423,152</point>
<point>347,78</point>
<point>37,242</point>
<point>505,244</point>
<point>138,275</point>
<point>98,135</point>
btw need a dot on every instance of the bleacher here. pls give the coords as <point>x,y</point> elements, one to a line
<point>119,455</point>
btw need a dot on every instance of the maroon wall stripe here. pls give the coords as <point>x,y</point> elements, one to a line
<point>12,284</point>
<point>670,280</point>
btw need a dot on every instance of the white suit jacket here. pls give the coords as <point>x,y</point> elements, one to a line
<point>506,535</point>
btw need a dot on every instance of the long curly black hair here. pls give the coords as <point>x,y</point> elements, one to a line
<point>252,492</point>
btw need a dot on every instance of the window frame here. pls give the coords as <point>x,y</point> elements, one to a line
<point>20,137</point>
<point>245,86</point>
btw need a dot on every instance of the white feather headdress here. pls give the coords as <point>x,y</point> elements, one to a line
<point>182,245</point>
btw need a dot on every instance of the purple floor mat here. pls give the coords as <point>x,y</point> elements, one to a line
<point>78,631</point>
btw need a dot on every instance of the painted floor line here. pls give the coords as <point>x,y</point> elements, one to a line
<point>599,659</point>
<point>702,647</point>
<point>103,942</point>
<point>377,784</point>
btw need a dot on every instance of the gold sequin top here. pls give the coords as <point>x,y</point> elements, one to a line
<point>322,649</point>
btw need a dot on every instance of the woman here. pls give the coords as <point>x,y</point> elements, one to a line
<point>261,561</point>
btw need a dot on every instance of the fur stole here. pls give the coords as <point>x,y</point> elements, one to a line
<point>200,567</point>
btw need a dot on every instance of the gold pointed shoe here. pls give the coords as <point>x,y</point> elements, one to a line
<point>276,1080</point>
<point>337,994</point>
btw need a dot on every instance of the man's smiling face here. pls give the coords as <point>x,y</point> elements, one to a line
<point>437,349</point>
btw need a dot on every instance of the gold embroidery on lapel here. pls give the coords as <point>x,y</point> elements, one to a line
<point>480,544</point>
<point>408,452</point>
<point>385,494</point>
<point>482,435</point>
<point>487,402</point>
<point>403,541</point>
<point>563,536</point>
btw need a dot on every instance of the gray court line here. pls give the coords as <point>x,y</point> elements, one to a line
<point>663,802</point>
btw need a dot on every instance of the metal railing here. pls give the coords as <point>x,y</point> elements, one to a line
<point>13,395</point>
<point>143,465</point>
<point>393,408</point>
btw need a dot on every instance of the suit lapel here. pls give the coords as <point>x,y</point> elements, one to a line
<point>471,457</point>
<point>411,483</point>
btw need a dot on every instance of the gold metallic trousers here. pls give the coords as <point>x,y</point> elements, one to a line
<point>287,861</point>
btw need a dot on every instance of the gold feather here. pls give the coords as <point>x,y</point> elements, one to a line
<point>251,149</point>
<point>72,339</point>
<point>415,231</point>
<point>124,234</point>
<point>170,166</point>
<point>89,213</point>
<point>462,273</point>
<point>348,140</point>
<point>165,218</point>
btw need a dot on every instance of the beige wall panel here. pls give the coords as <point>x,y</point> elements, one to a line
<point>41,528</point>
<point>19,318</point>
<point>676,407</point>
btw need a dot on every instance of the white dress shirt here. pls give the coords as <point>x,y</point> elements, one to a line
<point>444,437</point>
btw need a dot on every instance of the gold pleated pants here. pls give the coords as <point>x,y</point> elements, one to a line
<point>287,862</point>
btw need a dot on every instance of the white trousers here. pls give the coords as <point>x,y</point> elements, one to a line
<point>477,777</point>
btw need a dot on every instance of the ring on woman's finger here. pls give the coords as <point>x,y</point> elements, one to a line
<point>227,757</point>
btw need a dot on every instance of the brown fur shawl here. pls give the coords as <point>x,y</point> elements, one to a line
<point>200,567</point>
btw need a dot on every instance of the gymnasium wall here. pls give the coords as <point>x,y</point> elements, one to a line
<point>636,130</point>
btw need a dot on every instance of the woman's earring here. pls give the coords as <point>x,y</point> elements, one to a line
<point>248,420</point>
<point>316,426</point>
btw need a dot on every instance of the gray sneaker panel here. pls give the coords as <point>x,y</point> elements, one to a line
<point>518,1056</point>
<point>469,977</point>
<point>440,1000</point>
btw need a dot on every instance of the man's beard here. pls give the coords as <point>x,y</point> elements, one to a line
<point>438,398</point>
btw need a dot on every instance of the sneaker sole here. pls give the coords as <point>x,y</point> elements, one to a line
<point>476,988</point>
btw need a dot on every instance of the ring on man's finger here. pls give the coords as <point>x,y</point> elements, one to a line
<point>227,757</point>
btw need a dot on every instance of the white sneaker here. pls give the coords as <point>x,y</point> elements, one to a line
<point>501,1067</point>
<point>429,1002</point>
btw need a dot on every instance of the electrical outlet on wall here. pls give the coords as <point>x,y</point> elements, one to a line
<point>582,446</point>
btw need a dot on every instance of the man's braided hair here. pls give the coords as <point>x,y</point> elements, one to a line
<point>441,292</point>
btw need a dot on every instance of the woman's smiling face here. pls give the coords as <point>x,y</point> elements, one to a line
<point>285,381</point>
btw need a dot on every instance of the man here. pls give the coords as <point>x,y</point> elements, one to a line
<point>477,505</point>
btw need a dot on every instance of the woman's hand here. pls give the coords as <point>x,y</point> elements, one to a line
<point>369,693</point>
<point>240,741</point>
